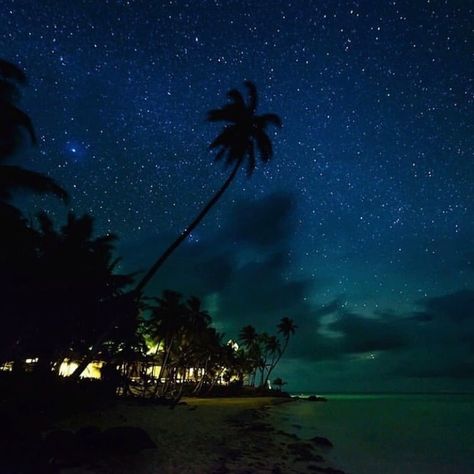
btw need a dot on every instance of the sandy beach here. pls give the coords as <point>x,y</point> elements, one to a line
<point>219,435</point>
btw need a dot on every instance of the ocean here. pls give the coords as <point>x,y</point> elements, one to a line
<point>389,434</point>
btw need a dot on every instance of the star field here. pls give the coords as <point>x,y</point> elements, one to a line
<point>376,149</point>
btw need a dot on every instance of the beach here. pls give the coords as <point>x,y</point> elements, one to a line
<point>213,435</point>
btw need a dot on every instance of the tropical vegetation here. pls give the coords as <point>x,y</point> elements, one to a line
<point>62,292</point>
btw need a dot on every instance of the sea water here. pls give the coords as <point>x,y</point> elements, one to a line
<point>389,434</point>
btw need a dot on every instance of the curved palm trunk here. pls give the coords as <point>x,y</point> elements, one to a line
<point>164,256</point>
<point>164,363</point>
<point>155,267</point>
<point>275,363</point>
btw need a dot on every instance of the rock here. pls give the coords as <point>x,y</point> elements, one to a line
<point>260,427</point>
<point>303,452</point>
<point>288,435</point>
<point>21,451</point>
<point>316,398</point>
<point>62,450</point>
<point>331,470</point>
<point>126,439</point>
<point>59,443</point>
<point>321,442</point>
<point>88,437</point>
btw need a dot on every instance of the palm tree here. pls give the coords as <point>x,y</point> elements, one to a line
<point>52,303</point>
<point>245,131</point>
<point>13,125</point>
<point>250,339</point>
<point>278,382</point>
<point>166,321</point>
<point>286,328</point>
<point>248,336</point>
<point>273,350</point>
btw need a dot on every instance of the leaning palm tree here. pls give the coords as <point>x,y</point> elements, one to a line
<point>14,123</point>
<point>286,328</point>
<point>244,133</point>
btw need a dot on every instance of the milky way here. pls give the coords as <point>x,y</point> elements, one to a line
<point>375,155</point>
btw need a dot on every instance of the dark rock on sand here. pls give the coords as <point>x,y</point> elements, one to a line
<point>88,438</point>
<point>288,435</point>
<point>304,452</point>
<point>321,442</point>
<point>330,470</point>
<point>21,451</point>
<point>59,443</point>
<point>260,427</point>
<point>127,439</point>
<point>316,398</point>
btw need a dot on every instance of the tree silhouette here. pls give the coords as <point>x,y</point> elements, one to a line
<point>18,240</point>
<point>278,382</point>
<point>71,276</point>
<point>286,328</point>
<point>14,125</point>
<point>250,339</point>
<point>236,144</point>
<point>163,326</point>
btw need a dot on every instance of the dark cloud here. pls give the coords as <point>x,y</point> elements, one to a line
<point>244,269</point>
<point>456,307</point>
<point>260,294</point>
<point>261,224</point>
<point>361,334</point>
<point>244,266</point>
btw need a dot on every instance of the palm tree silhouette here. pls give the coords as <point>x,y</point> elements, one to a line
<point>245,131</point>
<point>166,321</point>
<point>250,339</point>
<point>286,328</point>
<point>14,123</point>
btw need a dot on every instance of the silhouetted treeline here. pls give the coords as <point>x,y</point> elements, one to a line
<point>63,302</point>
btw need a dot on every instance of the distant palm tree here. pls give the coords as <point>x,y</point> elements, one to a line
<point>165,323</point>
<point>273,348</point>
<point>273,351</point>
<point>244,132</point>
<point>13,125</point>
<point>248,336</point>
<point>286,328</point>
<point>250,339</point>
<point>278,382</point>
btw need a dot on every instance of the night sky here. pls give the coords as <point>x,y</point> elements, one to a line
<point>361,228</point>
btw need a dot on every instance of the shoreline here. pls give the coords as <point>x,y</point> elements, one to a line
<point>207,435</point>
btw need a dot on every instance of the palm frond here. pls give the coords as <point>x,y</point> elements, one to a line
<point>13,117</point>
<point>265,119</point>
<point>15,177</point>
<point>9,91</point>
<point>228,113</point>
<point>12,72</point>
<point>251,161</point>
<point>264,145</point>
<point>220,154</point>
<point>236,96</point>
<point>253,97</point>
<point>224,138</point>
